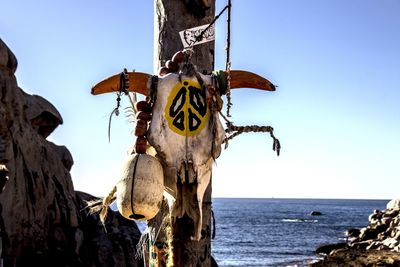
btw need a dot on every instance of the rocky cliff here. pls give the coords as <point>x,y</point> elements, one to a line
<point>43,221</point>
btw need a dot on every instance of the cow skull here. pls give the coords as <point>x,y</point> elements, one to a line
<point>187,136</point>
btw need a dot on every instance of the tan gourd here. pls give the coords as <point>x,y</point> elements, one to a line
<point>140,191</point>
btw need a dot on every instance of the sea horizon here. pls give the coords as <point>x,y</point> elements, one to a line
<point>302,198</point>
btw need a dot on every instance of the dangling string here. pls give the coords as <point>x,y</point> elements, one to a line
<point>123,88</point>
<point>116,112</point>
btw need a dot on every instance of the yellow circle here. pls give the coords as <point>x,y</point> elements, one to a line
<point>186,111</point>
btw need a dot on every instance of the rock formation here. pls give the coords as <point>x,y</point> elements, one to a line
<point>377,244</point>
<point>43,221</point>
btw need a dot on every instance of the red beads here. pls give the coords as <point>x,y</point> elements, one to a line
<point>143,116</point>
<point>178,57</point>
<point>143,106</point>
<point>141,128</point>
<point>163,71</point>
<point>141,145</point>
<point>172,65</point>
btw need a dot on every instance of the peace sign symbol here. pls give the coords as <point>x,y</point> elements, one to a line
<point>186,110</point>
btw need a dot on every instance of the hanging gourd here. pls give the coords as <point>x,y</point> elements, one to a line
<point>140,191</point>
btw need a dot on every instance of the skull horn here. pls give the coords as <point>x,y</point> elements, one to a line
<point>243,79</point>
<point>137,83</point>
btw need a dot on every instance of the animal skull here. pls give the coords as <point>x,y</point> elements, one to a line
<point>186,134</point>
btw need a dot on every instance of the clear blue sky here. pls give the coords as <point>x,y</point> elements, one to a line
<point>336,110</point>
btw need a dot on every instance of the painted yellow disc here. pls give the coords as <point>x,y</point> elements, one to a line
<point>186,110</point>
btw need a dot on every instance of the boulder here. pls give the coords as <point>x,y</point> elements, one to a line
<point>374,217</point>
<point>390,243</point>
<point>111,244</point>
<point>393,204</point>
<point>327,249</point>
<point>353,232</point>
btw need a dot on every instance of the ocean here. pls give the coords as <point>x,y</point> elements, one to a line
<point>281,232</point>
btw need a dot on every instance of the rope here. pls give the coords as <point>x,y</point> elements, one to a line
<point>228,35</point>
<point>200,36</point>
<point>228,60</point>
<point>233,131</point>
<point>228,44</point>
<point>106,203</point>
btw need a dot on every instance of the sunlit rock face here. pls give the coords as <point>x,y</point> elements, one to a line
<point>39,196</point>
<point>43,221</point>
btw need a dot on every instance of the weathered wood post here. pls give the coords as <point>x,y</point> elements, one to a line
<point>171,17</point>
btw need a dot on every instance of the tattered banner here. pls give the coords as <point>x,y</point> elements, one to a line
<point>197,35</point>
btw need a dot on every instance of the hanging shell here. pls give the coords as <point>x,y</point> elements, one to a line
<point>140,191</point>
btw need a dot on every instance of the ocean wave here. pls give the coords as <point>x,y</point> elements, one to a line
<point>299,220</point>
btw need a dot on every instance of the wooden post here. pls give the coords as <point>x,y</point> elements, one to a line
<point>171,17</point>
